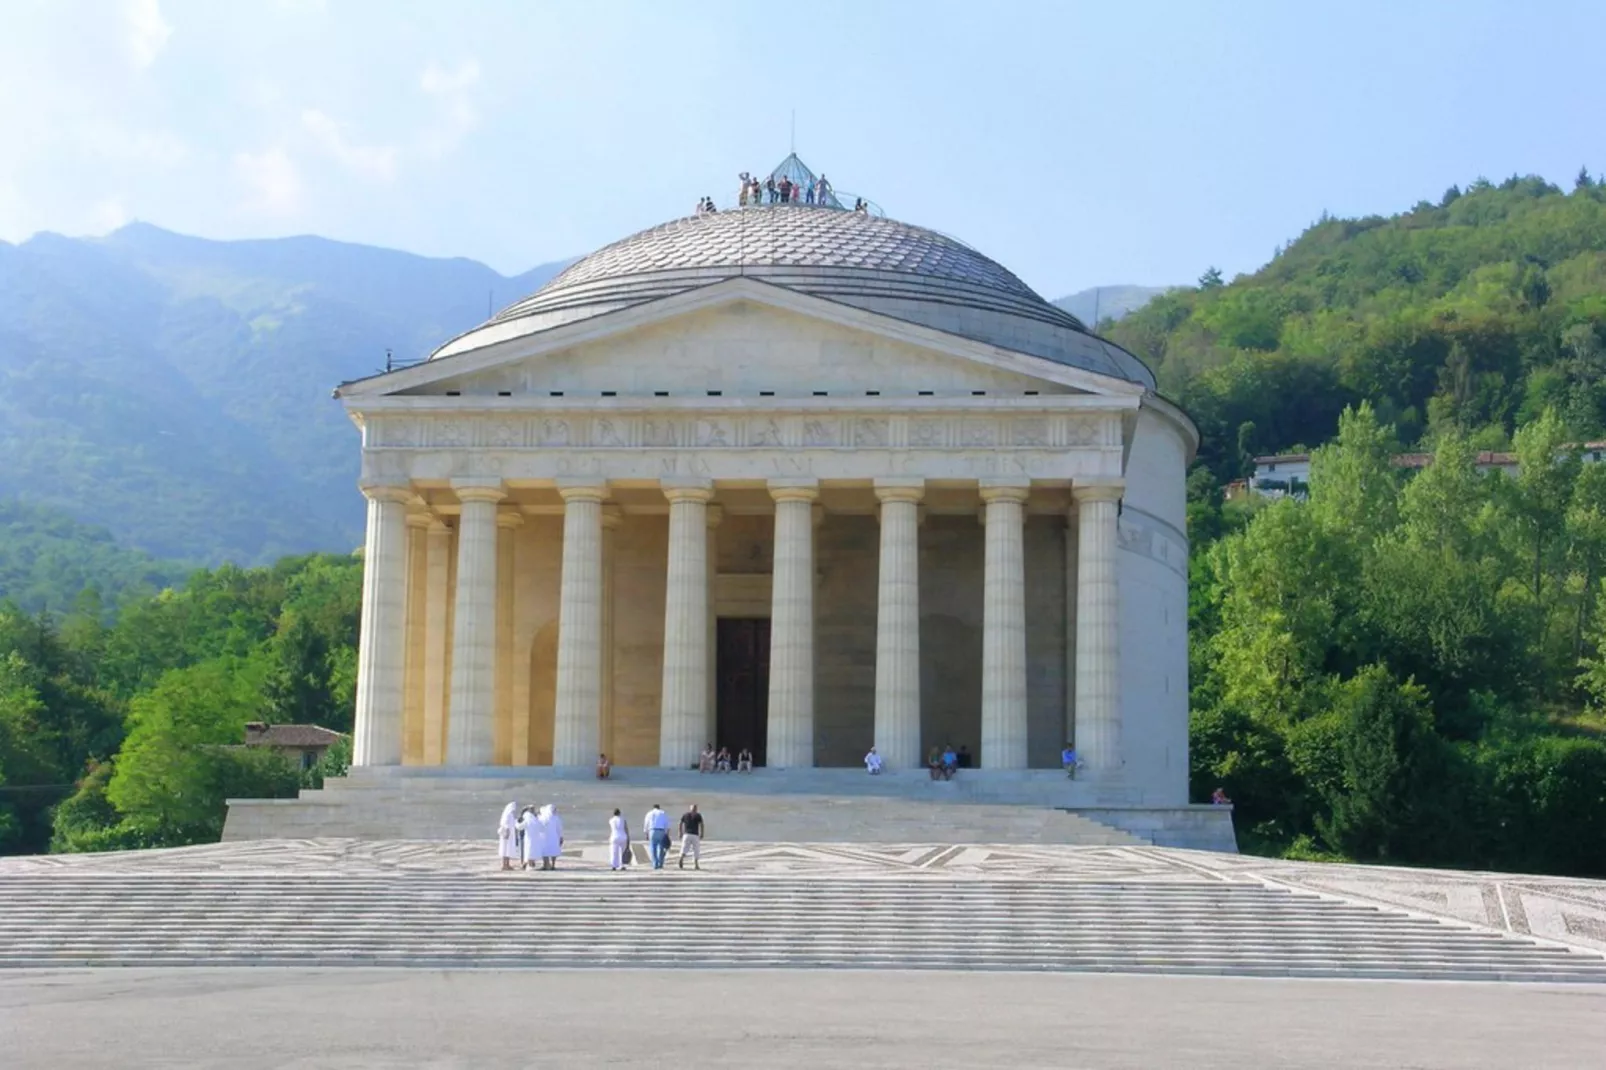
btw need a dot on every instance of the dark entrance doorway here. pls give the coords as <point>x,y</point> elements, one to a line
<point>743,695</point>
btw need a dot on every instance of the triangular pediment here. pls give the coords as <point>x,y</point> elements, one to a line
<point>739,338</point>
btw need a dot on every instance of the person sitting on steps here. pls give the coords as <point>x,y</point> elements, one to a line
<point>604,767</point>
<point>744,761</point>
<point>872,762</point>
<point>705,760</point>
<point>722,760</point>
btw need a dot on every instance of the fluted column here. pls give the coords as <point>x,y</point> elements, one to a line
<point>683,717</point>
<point>381,643</point>
<point>578,715</point>
<point>471,733</point>
<point>1098,624</point>
<point>1072,522</point>
<point>612,517</point>
<point>417,617</point>
<point>438,573</point>
<point>508,522</point>
<point>711,715</point>
<point>1003,650</point>
<point>790,736</point>
<point>897,646</point>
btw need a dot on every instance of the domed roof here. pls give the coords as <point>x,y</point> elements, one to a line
<point>878,264</point>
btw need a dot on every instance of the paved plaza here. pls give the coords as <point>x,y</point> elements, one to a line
<point>349,1019</point>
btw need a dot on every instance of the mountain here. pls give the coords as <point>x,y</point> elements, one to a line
<point>176,390</point>
<point>1109,302</point>
<point>1475,313</point>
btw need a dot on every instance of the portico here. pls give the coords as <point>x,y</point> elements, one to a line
<point>743,513</point>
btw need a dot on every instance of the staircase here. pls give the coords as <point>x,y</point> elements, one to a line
<point>683,919</point>
<point>802,806</point>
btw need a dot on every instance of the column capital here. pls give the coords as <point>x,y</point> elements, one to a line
<point>900,490</point>
<point>438,525</point>
<point>582,490</point>
<point>715,514</point>
<point>686,489</point>
<point>387,492</point>
<point>420,519</point>
<point>801,489</point>
<point>612,515</point>
<point>509,519</point>
<point>473,490</point>
<point>1097,492</point>
<point>1004,491</point>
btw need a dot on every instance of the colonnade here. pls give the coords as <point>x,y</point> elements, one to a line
<point>475,666</point>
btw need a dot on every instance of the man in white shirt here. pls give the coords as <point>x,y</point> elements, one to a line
<point>656,826</point>
<point>872,762</point>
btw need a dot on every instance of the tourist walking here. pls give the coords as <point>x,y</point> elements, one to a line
<point>507,835</point>
<point>618,841</point>
<point>691,837</point>
<point>656,827</point>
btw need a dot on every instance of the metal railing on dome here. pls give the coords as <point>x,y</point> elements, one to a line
<point>791,183</point>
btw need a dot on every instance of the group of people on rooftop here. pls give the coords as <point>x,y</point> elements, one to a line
<point>785,191</point>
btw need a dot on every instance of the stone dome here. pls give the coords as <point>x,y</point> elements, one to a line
<point>870,262</point>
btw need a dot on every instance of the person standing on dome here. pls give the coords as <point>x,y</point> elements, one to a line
<point>808,193</point>
<point>742,200</point>
<point>822,191</point>
<point>769,188</point>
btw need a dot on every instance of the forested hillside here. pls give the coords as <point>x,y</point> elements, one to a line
<point>51,562</point>
<point>1474,313</point>
<point>176,390</point>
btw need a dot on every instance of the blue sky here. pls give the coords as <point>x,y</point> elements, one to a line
<point>1078,144</point>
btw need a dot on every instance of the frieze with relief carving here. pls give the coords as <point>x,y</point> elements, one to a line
<point>711,432</point>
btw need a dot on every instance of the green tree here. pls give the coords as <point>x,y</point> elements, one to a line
<point>1386,746</point>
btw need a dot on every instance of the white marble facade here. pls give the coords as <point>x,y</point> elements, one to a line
<point>952,540</point>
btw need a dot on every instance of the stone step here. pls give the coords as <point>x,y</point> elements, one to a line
<point>577,918</point>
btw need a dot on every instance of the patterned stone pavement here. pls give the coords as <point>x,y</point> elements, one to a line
<point>1557,909</point>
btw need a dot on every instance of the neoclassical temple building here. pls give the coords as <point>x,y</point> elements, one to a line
<point>787,478</point>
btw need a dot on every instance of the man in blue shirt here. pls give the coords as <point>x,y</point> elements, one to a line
<point>1069,760</point>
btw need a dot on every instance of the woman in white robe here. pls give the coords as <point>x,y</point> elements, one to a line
<point>530,825</point>
<point>551,836</point>
<point>618,841</point>
<point>507,835</point>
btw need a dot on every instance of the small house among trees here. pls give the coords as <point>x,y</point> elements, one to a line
<point>302,744</point>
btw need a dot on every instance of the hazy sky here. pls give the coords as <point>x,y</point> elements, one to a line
<point>1078,144</point>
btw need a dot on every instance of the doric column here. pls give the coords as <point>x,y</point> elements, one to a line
<point>578,715</point>
<point>1098,624</point>
<point>508,522</point>
<point>471,732</point>
<point>897,636</point>
<point>1003,644</point>
<point>790,737</point>
<point>1072,520</point>
<point>381,643</point>
<point>711,729</point>
<point>438,575</point>
<point>417,617</point>
<point>612,517</point>
<point>684,716</point>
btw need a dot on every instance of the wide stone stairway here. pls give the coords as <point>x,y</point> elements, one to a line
<point>804,806</point>
<point>344,903</point>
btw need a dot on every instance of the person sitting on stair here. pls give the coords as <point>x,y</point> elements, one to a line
<point>705,760</point>
<point>872,762</point>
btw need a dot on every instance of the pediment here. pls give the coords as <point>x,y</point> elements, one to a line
<point>739,338</point>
